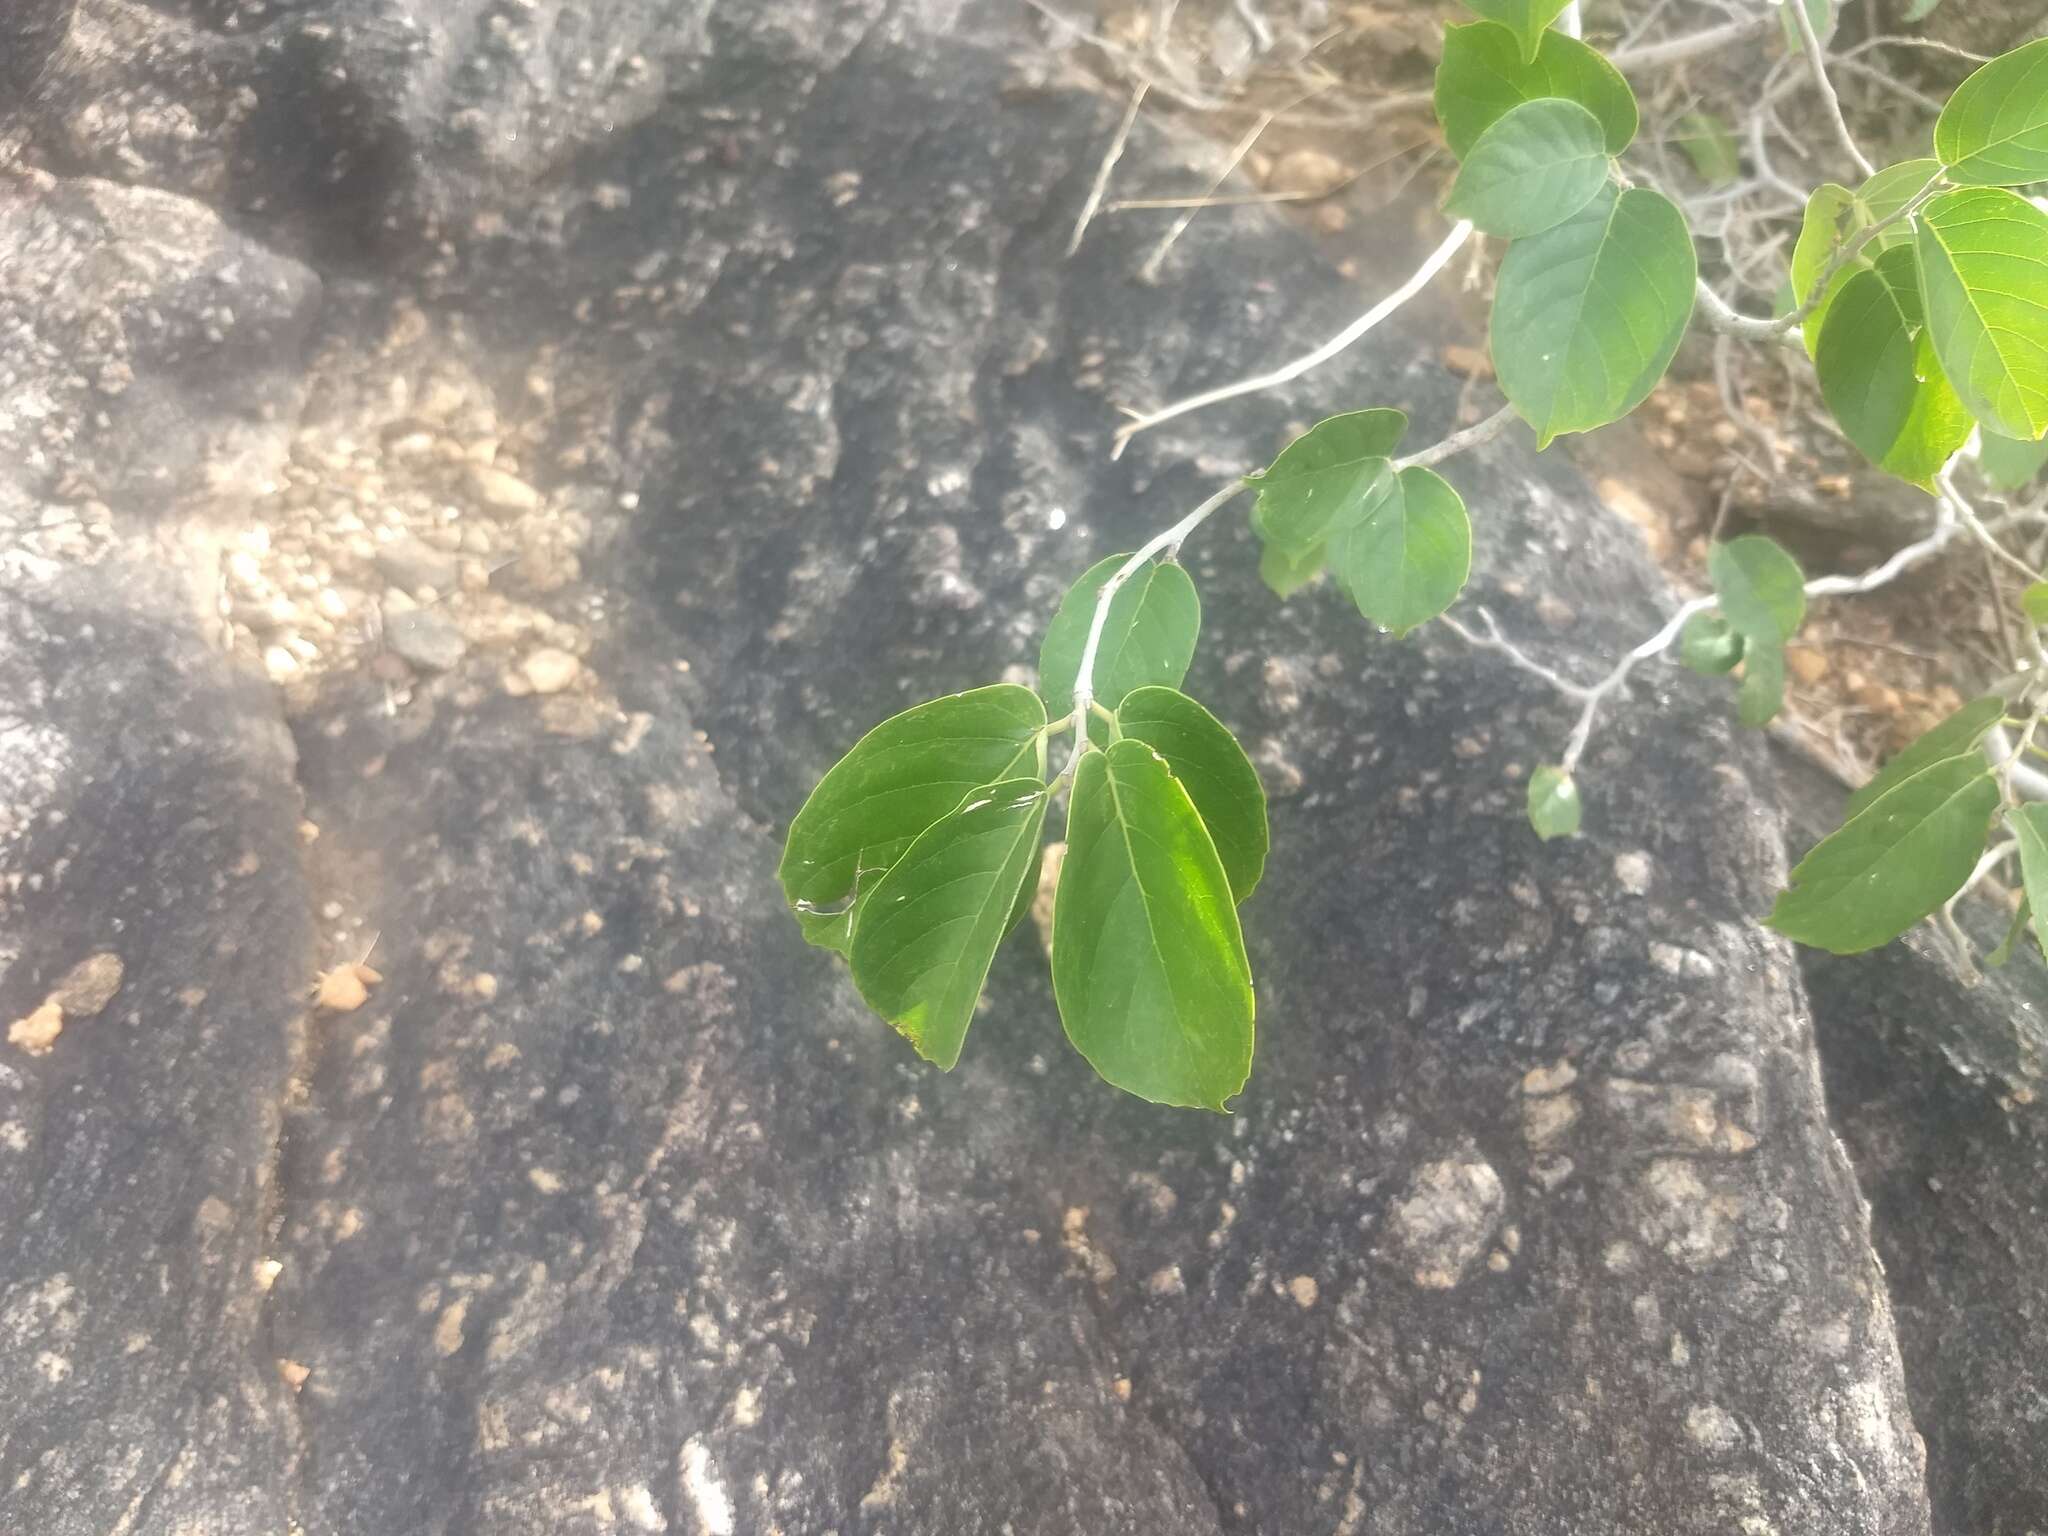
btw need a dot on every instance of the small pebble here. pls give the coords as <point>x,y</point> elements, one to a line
<point>426,638</point>
<point>548,670</point>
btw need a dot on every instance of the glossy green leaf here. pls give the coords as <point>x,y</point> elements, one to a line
<point>1984,276</point>
<point>1212,767</point>
<point>928,931</point>
<point>1587,316</point>
<point>1899,270</point>
<point>1527,19</point>
<point>1711,147</point>
<point>1287,574</point>
<point>1154,621</point>
<point>2034,602</point>
<point>2029,825</point>
<point>1709,644</point>
<point>1326,478</point>
<point>1761,589</point>
<point>1906,853</point>
<point>898,780</point>
<point>1960,734</point>
<point>1535,167</point>
<point>1148,963</point>
<point>1762,693</point>
<point>1405,560</point>
<point>1483,76</point>
<point>2007,464</point>
<point>1883,383</point>
<point>1994,130</point>
<point>1553,803</point>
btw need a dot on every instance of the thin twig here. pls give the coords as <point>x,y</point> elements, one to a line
<point>1149,270</point>
<point>1167,544</point>
<point>1480,432</point>
<point>1109,160</point>
<point>1432,264</point>
<point>1816,59</point>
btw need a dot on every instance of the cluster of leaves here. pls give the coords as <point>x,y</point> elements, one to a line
<point>1922,298</point>
<point>920,850</point>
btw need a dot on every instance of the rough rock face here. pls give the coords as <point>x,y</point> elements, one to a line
<point>149,356</point>
<point>607,1208</point>
<point>337,123</point>
<point>154,948</point>
<point>1937,1092</point>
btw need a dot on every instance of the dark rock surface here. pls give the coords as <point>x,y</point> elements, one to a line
<point>609,1209</point>
<point>150,884</point>
<point>1937,1091</point>
<point>150,357</point>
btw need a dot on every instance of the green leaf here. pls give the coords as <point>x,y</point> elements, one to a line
<point>2007,464</point>
<point>1960,734</point>
<point>1483,76</point>
<point>2029,824</point>
<point>2034,601</point>
<point>1406,558</point>
<point>1709,644</point>
<point>1587,316</point>
<point>1762,693</point>
<point>1149,638</point>
<point>1527,19</point>
<point>1994,130</point>
<point>900,778</point>
<point>1835,216</point>
<point>1553,803</point>
<point>1710,146</point>
<point>1906,853</point>
<point>1883,383</point>
<point>929,930</point>
<point>1213,769</point>
<point>1539,164</point>
<point>1287,574</point>
<point>1832,219</point>
<point>1148,964</point>
<point>1325,478</point>
<point>1984,276</point>
<point>1761,589</point>
<point>1820,12</point>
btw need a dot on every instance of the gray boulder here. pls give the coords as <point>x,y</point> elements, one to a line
<point>616,1207</point>
<point>154,963</point>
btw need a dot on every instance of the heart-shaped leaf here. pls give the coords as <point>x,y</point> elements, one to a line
<point>1527,19</point>
<point>1984,277</point>
<point>1405,558</point>
<point>1587,316</point>
<point>1325,478</point>
<point>1483,76</point>
<point>929,929</point>
<point>1895,862</point>
<point>1149,637</point>
<point>1994,130</point>
<point>898,780</point>
<point>1287,574</point>
<point>1535,167</point>
<point>1212,767</point>
<point>1148,963</point>
<point>1760,588</point>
